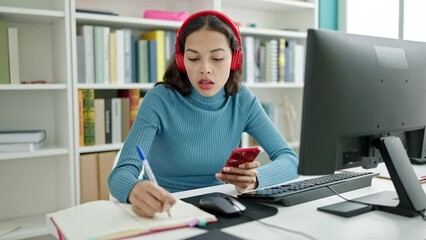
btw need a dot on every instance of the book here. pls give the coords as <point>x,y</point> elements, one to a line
<point>133,95</point>
<point>113,57</point>
<point>89,180</point>
<point>125,118</point>
<point>152,59</point>
<point>81,64</point>
<point>13,56</point>
<point>116,120</point>
<point>159,37</point>
<point>142,61</point>
<point>89,116</point>
<point>89,58</point>
<point>108,119</point>
<point>110,220</point>
<point>120,55</point>
<point>127,55</point>
<point>80,118</point>
<point>23,136</point>
<point>4,54</point>
<point>105,163</point>
<point>20,147</point>
<point>101,53</point>
<point>99,121</point>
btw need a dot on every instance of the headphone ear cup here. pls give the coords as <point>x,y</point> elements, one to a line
<point>237,58</point>
<point>180,62</point>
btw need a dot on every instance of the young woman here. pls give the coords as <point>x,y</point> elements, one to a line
<point>189,124</point>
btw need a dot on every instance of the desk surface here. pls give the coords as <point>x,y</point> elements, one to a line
<point>306,218</point>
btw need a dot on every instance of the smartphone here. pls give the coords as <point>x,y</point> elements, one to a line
<point>242,155</point>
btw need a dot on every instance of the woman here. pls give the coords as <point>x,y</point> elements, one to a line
<point>189,124</point>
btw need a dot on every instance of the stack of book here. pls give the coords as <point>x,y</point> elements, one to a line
<point>21,140</point>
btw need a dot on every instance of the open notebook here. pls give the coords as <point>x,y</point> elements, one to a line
<point>110,220</point>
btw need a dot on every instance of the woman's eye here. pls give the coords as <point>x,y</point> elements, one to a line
<point>193,59</point>
<point>218,59</point>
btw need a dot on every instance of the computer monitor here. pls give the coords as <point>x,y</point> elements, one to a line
<point>364,102</point>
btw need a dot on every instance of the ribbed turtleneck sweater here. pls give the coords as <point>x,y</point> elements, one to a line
<point>187,140</point>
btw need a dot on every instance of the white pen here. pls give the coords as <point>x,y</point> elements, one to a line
<point>147,168</point>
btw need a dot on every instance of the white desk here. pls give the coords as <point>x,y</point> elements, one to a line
<point>306,218</point>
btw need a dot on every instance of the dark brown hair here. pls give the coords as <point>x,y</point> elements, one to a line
<point>179,81</point>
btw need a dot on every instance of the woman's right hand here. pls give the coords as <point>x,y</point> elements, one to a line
<point>147,198</point>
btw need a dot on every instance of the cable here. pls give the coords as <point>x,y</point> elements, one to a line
<point>281,228</point>
<point>349,200</point>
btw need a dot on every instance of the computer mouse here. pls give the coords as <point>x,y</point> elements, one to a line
<point>222,204</point>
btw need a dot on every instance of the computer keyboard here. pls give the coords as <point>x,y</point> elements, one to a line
<point>311,189</point>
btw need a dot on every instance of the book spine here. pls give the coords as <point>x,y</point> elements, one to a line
<point>116,120</point>
<point>159,38</point>
<point>87,33</point>
<point>125,118</point>
<point>152,58</point>
<point>105,50</point>
<point>98,42</point>
<point>4,54</point>
<point>142,61</point>
<point>108,121</point>
<point>134,98</point>
<point>89,116</point>
<point>80,118</point>
<point>99,121</point>
<point>120,56</point>
<point>127,56</point>
<point>89,180</point>
<point>13,55</point>
<point>81,62</point>
<point>113,57</point>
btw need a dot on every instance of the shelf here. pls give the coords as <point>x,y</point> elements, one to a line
<point>274,85</point>
<point>101,148</point>
<point>125,22</point>
<point>271,5</point>
<point>30,15</point>
<point>30,226</point>
<point>43,152</point>
<point>58,86</point>
<point>268,33</point>
<point>145,86</point>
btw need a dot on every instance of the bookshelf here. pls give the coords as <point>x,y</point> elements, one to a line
<point>35,183</point>
<point>287,19</point>
<point>49,179</point>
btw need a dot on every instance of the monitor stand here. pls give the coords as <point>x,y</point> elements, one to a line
<point>408,200</point>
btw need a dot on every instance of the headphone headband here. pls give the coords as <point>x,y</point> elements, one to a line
<point>237,54</point>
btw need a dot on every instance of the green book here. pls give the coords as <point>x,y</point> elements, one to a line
<point>89,116</point>
<point>4,54</point>
<point>142,61</point>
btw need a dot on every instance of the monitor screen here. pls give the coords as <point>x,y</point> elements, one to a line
<point>359,89</point>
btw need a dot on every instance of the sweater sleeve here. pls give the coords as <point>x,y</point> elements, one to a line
<point>284,160</point>
<point>147,123</point>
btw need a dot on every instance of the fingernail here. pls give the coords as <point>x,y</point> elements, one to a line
<point>226,169</point>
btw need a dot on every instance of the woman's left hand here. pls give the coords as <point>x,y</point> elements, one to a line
<point>244,177</point>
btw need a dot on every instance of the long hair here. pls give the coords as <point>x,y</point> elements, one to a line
<point>179,81</point>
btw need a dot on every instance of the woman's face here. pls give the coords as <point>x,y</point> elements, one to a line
<point>207,60</point>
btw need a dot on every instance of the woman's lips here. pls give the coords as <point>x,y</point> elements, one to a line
<point>205,84</point>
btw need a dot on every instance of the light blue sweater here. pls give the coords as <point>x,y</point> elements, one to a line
<point>187,140</point>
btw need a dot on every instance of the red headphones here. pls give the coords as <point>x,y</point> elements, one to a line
<point>237,55</point>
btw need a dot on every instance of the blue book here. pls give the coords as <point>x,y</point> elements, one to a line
<point>134,61</point>
<point>152,60</point>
